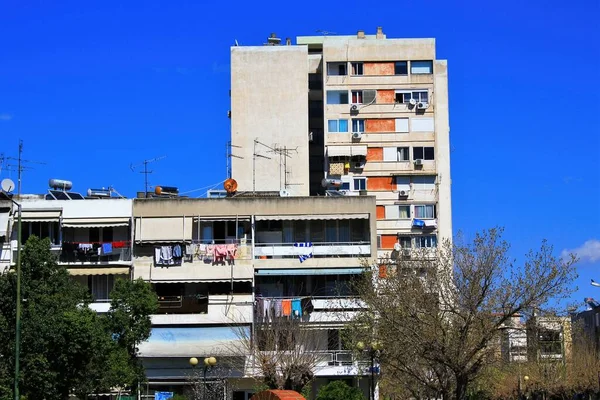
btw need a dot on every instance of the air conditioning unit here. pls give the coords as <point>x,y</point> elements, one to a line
<point>422,106</point>
<point>284,193</point>
<point>403,194</point>
<point>418,161</point>
<point>406,253</point>
<point>358,165</point>
<point>412,102</point>
<point>354,108</point>
<point>356,135</point>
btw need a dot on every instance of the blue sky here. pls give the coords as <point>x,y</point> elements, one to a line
<point>92,87</point>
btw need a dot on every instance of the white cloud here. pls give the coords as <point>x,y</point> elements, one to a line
<point>5,117</point>
<point>588,252</point>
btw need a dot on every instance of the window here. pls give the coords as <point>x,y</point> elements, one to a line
<point>358,125</point>
<point>357,97</point>
<point>405,242</point>
<point>360,184</point>
<point>337,125</point>
<point>424,183</point>
<point>422,125</point>
<point>425,242</point>
<point>403,183</point>
<point>423,153</point>
<point>395,154</point>
<point>345,186</point>
<point>337,97</point>
<point>426,211</point>
<point>421,67</point>
<point>403,96</point>
<point>401,68</point>
<point>336,68</point>
<point>402,125</point>
<point>357,68</point>
<point>404,212</point>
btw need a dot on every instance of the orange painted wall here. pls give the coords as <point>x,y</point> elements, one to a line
<point>388,241</point>
<point>374,154</point>
<point>380,183</point>
<point>386,96</point>
<point>380,125</point>
<point>380,212</point>
<point>378,68</point>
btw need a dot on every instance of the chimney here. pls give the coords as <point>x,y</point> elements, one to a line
<point>360,34</point>
<point>288,41</point>
<point>380,34</point>
<point>273,40</point>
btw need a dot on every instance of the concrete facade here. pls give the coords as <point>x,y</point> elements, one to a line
<point>269,103</point>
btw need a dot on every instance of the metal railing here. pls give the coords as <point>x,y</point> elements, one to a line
<point>318,249</point>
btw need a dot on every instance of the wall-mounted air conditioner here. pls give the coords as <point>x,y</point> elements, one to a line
<point>412,102</point>
<point>356,135</point>
<point>418,161</point>
<point>422,106</point>
<point>403,194</point>
<point>354,108</point>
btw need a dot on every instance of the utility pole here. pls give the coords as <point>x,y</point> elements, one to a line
<point>20,166</point>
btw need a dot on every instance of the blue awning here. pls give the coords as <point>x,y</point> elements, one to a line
<point>311,271</point>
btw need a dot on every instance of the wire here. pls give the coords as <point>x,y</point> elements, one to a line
<point>202,188</point>
<point>212,187</point>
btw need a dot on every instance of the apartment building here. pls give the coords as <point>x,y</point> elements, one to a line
<point>91,236</point>
<point>212,262</point>
<point>371,111</point>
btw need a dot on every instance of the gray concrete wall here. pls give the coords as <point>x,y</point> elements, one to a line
<point>269,102</point>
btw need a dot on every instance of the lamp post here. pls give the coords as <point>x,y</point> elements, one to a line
<point>209,362</point>
<point>7,186</point>
<point>374,348</point>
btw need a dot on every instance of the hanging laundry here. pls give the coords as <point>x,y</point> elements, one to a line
<point>307,305</point>
<point>85,246</point>
<point>107,248</point>
<point>267,310</point>
<point>286,307</point>
<point>119,245</point>
<point>305,249</point>
<point>296,308</point>
<point>231,251</point>
<point>277,308</point>
<point>177,251</point>
<point>166,253</point>
<point>220,252</point>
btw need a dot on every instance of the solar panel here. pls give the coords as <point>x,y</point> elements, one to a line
<point>75,196</point>
<point>50,197</point>
<point>58,195</point>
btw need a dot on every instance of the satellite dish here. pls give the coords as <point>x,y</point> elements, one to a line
<point>7,185</point>
<point>230,185</point>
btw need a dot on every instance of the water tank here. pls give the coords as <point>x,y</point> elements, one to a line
<point>166,191</point>
<point>60,184</point>
<point>98,193</point>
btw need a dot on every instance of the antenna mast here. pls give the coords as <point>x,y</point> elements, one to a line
<point>229,154</point>
<point>145,171</point>
<point>20,166</point>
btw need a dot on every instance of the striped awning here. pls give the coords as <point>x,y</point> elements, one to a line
<point>99,271</point>
<point>39,215</point>
<point>94,222</point>
<point>346,151</point>
<point>310,271</point>
<point>305,217</point>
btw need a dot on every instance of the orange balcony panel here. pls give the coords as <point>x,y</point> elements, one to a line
<point>388,241</point>
<point>374,154</point>
<point>380,212</point>
<point>386,96</point>
<point>380,183</point>
<point>378,68</point>
<point>380,125</point>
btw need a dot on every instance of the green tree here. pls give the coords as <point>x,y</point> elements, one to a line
<point>339,390</point>
<point>128,320</point>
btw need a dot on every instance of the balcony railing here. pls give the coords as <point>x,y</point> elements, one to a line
<point>182,304</point>
<point>95,252</point>
<point>318,249</point>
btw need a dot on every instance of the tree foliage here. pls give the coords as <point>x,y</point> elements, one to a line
<point>66,348</point>
<point>437,315</point>
<point>339,390</point>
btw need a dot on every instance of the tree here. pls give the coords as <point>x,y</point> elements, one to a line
<point>66,348</point>
<point>339,390</point>
<point>128,321</point>
<point>437,315</point>
<point>282,352</point>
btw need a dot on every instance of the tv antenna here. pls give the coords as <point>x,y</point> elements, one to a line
<point>19,165</point>
<point>255,155</point>
<point>229,154</point>
<point>325,33</point>
<point>145,171</point>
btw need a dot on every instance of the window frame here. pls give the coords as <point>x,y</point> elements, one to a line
<point>359,97</point>
<point>358,179</point>
<point>357,66</point>
<point>358,122</point>
<point>430,65</point>
<point>433,209</point>
<point>339,93</point>
<point>336,65</point>
<point>406,99</point>
<point>423,150</point>
<point>396,68</point>
<point>428,239</point>
<point>337,125</point>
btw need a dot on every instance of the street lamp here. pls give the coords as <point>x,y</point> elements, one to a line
<point>7,186</point>
<point>209,362</point>
<point>374,349</point>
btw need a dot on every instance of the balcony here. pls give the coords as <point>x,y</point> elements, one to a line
<point>101,253</point>
<point>204,309</point>
<point>318,249</point>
